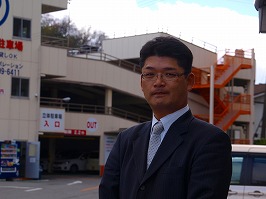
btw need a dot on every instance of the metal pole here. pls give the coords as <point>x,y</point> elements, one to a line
<point>211,95</point>
<point>263,128</point>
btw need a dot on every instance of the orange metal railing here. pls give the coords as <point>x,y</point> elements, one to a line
<point>226,108</point>
<point>224,72</point>
<point>239,106</point>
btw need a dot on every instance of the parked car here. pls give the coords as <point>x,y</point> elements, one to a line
<point>71,161</point>
<point>249,172</point>
<point>93,161</point>
<point>88,49</point>
<point>73,52</point>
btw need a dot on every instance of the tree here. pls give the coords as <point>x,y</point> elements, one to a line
<point>65,30</point>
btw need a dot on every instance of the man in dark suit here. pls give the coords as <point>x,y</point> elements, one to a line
<point>193,160</point>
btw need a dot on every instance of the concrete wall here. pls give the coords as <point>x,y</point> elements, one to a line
<point>19,115</point>
<point>62,4</point>
<point>53,61</point>
<point>102,73</point>
<point>129,47</point>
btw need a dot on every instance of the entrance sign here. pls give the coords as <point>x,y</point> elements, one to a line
<point>52,120</point>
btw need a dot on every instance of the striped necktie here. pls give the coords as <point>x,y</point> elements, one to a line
<point>155,141</point>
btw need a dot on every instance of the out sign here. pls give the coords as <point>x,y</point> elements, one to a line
<point>92,125</point>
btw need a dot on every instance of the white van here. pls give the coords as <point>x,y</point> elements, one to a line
<point>249,172</point>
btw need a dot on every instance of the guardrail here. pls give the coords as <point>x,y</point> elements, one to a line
<point>96,109</point>
<point>106,58</point>
<point>89,53</point>
<point>53,41</point>
<point>98,55</point>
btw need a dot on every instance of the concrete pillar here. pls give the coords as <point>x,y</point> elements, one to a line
<point>51,154</point>
<point>108,100</point>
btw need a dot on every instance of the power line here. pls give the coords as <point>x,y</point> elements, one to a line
<point>148,3</point>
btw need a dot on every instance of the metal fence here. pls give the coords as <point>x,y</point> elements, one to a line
<point>96,109</point>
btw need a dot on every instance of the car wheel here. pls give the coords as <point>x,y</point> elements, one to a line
<point>74,168</point>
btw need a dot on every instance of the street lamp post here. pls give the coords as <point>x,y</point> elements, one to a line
<point>211,95</point>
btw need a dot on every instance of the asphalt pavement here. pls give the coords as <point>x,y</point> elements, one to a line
<point>59,186</point>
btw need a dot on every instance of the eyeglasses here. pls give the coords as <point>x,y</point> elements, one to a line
<point>164,76</point>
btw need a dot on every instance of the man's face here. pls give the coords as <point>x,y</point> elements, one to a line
<point>165,95</point>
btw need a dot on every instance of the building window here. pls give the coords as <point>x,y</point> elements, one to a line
<point>22,28</point>
<point>20,87</point>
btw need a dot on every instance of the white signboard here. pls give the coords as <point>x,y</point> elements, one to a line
<point>92,125</point>
<point>108,144</point>
<point>52,120</point>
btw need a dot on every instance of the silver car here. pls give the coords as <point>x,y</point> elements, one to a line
<point>249,172</point>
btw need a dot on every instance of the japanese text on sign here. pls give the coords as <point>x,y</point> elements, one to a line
<point>10,44</point>
<point>76,132</point>
<point>52,120</point>
<point>8,67</point>
<point>109,143</point>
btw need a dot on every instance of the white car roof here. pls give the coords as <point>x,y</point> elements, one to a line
<point>248,148</point>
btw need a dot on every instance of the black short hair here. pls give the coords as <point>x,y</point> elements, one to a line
<point>168,47</point>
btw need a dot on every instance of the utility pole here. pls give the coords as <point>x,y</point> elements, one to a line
<point>68,34</point>
<point>211,113</point>
<point>263,128</point>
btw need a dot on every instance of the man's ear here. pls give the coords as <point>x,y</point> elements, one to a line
<point>190,81</point>
<point>141,83</point>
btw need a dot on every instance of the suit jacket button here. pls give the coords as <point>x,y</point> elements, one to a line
<point>142,188</point>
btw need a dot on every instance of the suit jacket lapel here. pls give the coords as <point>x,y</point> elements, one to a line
<point>173,139</point>
<point>140,146</point>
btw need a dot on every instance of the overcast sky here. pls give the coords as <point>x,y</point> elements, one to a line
<point>227,24</point>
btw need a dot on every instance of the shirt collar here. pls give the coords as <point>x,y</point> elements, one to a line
<point>168,120</point>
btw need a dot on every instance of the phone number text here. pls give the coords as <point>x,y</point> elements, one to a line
<point>8,71</point>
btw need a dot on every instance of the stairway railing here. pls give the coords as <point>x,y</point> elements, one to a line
<point>226,107</point>
<point>225,70</point>
<point>239,106</point>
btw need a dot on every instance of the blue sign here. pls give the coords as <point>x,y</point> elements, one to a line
<point>3,19</point>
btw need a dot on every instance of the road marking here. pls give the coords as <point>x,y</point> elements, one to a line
<point>76,182</point>
<point>28,189</point>
<point>15,187</point>
<point>36,189</point>
<point>90,188</point>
